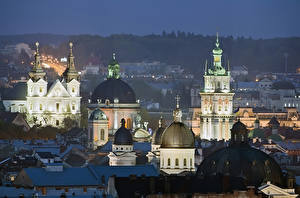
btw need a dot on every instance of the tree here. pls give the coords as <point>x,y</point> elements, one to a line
<point>69,123</point>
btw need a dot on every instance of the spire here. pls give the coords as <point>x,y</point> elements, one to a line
<point>160,122</point>
<point>217,41</point>
<point>177,113</point>
<point>37,71</point>
<point>205,67</point>
<point>228,66</point>
<point>70,73</point>
<point>113,68</point>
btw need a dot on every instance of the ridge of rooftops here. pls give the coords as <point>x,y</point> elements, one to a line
<point>88,176</point>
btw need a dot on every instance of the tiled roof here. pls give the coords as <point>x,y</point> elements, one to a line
<point>87,176</point>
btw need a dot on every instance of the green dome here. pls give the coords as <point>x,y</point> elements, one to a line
<point>97,114</point>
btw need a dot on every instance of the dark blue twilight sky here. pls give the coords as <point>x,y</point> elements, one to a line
<point>255,18</point>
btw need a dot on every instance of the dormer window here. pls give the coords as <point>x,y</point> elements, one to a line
<point>73,89</point>
<point>41,89</point>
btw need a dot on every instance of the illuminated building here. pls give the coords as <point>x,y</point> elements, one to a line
<point>47,103</point>
<point>116,99</point>
<point>177,150</point>
<point>97,129</point>
<point>216,115</point>
<point>122,148</point>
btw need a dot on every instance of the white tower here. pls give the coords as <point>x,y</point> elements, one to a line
<point>216,100</point>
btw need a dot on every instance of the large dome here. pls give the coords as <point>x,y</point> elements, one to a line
<point>112,89</point>
<point>123,136</point>
<point>177,135</point>
<point>241,160</point>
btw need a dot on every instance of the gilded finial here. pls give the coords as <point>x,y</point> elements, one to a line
<point>71,48</point>
<point>177,98</point>
<point>37,47</point>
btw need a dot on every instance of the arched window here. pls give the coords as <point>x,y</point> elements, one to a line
<point>176,162</point>
<point>73,107</point>
<point>184,162</point>
<point>57,122</point>
<point>41,89</point>
<point>41,107</point>
<point>73,89</point>
<point>169,162</point>
<point>102,134</point>
<point>128,123</point>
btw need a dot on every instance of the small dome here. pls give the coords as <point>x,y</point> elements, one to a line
<point>123,136</point>
<point>97,114</point>
<point>283,85</point>
<point>156,137</point>
<point>177,135</point>
<point>114,90</point>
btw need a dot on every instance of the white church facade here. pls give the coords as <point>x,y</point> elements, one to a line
<point>47,103</point>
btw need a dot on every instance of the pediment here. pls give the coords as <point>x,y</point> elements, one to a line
<point>57,90</point>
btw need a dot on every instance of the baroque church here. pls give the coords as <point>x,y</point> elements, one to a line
<point>116,99</point>
<point>47,103</point>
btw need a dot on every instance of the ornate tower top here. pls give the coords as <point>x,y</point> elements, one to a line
<point>217,66</point>
<point>113,68</point>
<point>37,71</point>
<point>70,73</point>
<point>177,113</point>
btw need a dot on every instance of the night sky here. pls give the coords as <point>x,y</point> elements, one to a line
<point>255,18</point>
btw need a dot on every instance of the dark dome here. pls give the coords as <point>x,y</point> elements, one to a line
<point>241,160</point>
<point>156,137</point>
<point>114,88</point>
<point>283,85</point>
<point>123,136</point>
<point>253,165</point>
<point>177,135</point>
<point>97,114</point>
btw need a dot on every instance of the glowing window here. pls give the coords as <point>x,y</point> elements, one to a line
<point>102,134</point>
<point>41,107</point>
<point>41,89</point>
<point>73,89</point>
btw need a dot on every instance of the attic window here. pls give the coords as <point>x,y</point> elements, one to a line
<point>41,89</point>
<point>73,90</point>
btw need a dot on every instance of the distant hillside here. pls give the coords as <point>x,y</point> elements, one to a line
<point>184,49</point>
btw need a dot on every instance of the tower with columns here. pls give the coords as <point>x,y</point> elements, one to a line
<point>216,116</point>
